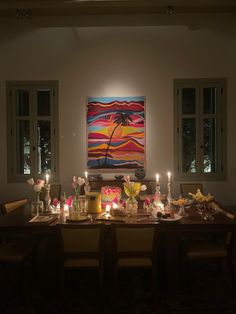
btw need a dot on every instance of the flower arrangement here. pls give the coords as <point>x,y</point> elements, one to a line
<point>37,185</point>
<point>77,185</point>
<point>150,201</point>
<point>132,189</point>
<point>109,195</point>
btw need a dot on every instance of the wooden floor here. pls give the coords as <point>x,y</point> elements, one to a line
<point>211,293</point>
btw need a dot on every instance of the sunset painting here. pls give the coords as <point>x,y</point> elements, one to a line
<point>116,132</point>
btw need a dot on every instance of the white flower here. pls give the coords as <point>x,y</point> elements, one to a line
<point>81,181</point>
<point>30,181</point>
<point>143,187</point>
<point>37,187</point>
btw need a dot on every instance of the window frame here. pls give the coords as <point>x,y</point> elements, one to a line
<point>221,110</point>
<point>32,87</point>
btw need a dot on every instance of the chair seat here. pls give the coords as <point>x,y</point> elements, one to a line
<point>14,252</point>
<point>78,262</point>
<point>134,262</point>
<point>205,250</point>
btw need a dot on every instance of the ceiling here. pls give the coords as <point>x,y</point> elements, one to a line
<point>58,8</point>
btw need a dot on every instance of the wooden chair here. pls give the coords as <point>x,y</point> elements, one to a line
<point>81,247</point>
<point>55,192</point>
<point>17,248</point>
<point>8,207</point>
<point>185,188</point>
<point>213,248</point>
<point>134,246</point>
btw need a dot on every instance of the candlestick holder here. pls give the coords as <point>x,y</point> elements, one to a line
<point>158,203</point>
<point>47,199</point>
<point>86,187</point>
<point>169,196</point>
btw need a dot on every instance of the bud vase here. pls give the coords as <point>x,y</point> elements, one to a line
<point>37,206</point>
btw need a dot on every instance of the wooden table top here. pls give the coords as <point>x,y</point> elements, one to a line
<point>20,219</point>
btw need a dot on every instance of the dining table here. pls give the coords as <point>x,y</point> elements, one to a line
<point>222,220</point>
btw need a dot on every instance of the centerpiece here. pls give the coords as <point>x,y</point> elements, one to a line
<point>132,190</point>
<point>37,206</point>
<point>77,184</point>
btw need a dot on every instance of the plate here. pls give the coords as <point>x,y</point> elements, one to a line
<point>175,218</point>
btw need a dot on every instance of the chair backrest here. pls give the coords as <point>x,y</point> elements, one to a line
<point>132,240</point>
<point>82,241</point>
<point>185,188</point>
<point>10,206</point>
<point>55,192</point>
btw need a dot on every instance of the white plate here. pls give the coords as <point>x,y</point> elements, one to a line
<point>175,218</point>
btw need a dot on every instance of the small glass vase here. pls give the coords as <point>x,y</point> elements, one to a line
<point>76,204</point>
<point>37,206</point>
<point>132,206</point>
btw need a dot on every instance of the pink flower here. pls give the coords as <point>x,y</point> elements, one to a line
<point>147,202</point>
<point>55,202</point>
<point>116,200</point>
<point>38,185</point>
<point>69,200</point>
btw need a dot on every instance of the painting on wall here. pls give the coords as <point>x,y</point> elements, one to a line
<point>116,133</point>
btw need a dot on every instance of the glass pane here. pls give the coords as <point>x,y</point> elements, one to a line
<point>22,102</point>
<point>23,160</point>
<point>209,145</point>
<point>188,101</point>
<point>188,145</point>
<point>43,101</point>
<point>209,100</point>
<point>44,146</point>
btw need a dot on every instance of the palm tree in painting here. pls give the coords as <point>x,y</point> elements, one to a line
<point>122,119</point>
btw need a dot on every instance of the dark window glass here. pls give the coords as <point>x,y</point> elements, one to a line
<point>44,146</point>
<point>43,101</point>
<point>23,147</point>
<point>209,145</point>
<point>188,100</point>
<point>209,100</point>
<point>22,103</point>
<point>189,145</point>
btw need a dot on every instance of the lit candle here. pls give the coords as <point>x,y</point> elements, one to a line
<point>114,205</point>
<point>47,178</point>
<point>108,209</point>
<point>86,174</point>
<point>168,175</point>
<point>66,208</point>
<point>157,177</point>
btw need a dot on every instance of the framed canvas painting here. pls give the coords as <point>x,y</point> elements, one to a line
<point>116,133</point>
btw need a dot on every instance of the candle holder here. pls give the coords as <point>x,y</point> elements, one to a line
<point>158,203</point>
<point>169,196</point>
<point>86,187</point>
<point>47,199</point>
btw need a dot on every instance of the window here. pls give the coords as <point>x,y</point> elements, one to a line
<point>200,139</point>
<point>32,130</point>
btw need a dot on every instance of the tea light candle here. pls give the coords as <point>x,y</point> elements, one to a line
<point>66,208</point>
<point>108,209</point>
<point>114,205</point>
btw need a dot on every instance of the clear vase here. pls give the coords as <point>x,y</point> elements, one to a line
<point>76,204</point>
<point>37,206</point>
<point>132,206</point>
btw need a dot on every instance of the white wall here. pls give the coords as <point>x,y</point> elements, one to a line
<point>118,61</point>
